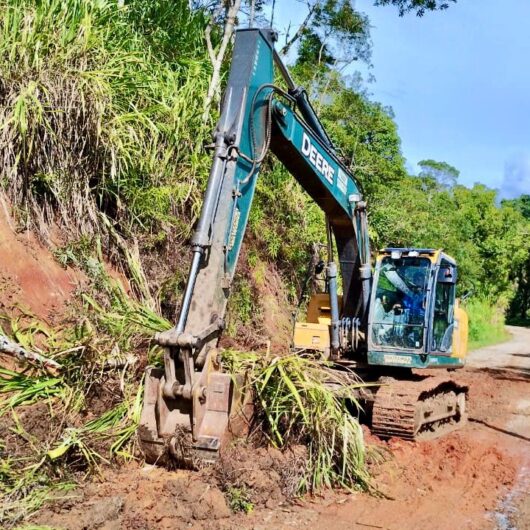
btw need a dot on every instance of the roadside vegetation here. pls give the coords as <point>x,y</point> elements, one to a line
<point>102,141</point>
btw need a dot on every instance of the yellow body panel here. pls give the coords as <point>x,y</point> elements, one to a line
<point>314,333</point>
<point>319,309</point>
<point>460,332</point>
<point>311,336</point>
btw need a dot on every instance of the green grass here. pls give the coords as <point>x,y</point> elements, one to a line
<point>101,109</point>
<point>486,323</point>
<point>20,389</point>
<point>239,500</point>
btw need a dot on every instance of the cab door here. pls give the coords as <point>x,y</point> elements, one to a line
<point>442,327</point>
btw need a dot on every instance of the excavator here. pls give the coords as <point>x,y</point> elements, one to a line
<point>388,324</point>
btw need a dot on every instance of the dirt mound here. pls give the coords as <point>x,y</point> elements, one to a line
<point>148,497</point>
<point>140,498</point>
<point>472,469</point>
<point>265,476</point>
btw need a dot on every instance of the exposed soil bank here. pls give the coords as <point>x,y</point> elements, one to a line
<point>31,280</point>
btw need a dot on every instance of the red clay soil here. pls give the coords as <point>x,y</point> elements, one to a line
<point>30,277</point>
<point>471,479</point>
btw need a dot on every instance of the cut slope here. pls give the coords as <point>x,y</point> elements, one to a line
<point>30,278</point>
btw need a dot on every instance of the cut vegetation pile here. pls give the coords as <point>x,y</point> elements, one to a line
<point>58,428</point>
<point>300,400</point>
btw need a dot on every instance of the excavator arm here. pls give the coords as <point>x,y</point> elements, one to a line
<point>191,397</point>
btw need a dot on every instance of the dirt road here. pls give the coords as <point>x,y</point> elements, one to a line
<point>476,478</point>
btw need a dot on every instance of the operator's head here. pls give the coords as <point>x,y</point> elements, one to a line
<point>387,304</point>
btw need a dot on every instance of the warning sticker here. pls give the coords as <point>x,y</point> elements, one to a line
<point>342,181</point>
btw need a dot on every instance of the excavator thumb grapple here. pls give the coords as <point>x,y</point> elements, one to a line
<point>189,427</point>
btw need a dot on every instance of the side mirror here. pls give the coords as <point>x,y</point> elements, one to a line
<point>447,274</point>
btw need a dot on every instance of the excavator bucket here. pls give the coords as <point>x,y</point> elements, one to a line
<point>192,430</point>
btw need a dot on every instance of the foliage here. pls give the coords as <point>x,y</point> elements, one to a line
<point>487,241</point>
<point>24,390</point>
<point>520,274</point>
<point>338,33</point>
<point>441,173</point>
<point>98,349</point>
<point>486,323</point>
<point>93,99</point>
<point>417,6</point>
<point>302,400</point>
<point>239,500</point>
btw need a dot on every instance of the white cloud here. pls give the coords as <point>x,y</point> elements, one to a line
<point>516,179</point>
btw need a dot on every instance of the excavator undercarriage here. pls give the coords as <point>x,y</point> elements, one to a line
<point>418,409</point>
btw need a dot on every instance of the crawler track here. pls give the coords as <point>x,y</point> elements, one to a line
<point>418,409</point>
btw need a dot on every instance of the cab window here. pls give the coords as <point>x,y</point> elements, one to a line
<point>400,301</point>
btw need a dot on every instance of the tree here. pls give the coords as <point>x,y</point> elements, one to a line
<point>521,275</point>
<point>440,173</point>
<point>417,6</point>
<point>229,10</point>
<point>332,29</point>
<point>367,136</point>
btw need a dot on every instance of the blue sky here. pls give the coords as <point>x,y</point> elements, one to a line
<point>459,84</point>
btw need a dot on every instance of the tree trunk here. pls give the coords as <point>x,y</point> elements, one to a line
<point>300,30</point>
<point>252,13</point>
<point>232,10</point>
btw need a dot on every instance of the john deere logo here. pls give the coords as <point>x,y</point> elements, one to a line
<point>316,159</point>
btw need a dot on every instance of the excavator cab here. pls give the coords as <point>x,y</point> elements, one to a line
<point>414,318</point>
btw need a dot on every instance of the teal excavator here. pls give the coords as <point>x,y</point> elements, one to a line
<point>389,323</point>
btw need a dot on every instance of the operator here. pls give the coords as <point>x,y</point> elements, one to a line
<point>384,314</point>
<point>414,300</point>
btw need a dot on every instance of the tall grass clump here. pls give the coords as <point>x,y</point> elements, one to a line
<point>99,355</point>
<point>486,322</point>
<point>100,110</point>
<point>305,401</point>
